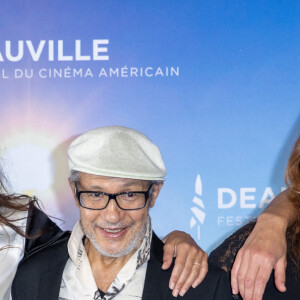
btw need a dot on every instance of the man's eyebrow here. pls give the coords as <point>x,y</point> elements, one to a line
<point>95,187</point>
<point>131,183</point>
<point>124,185</point>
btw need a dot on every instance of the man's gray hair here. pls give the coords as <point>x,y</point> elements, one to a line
<point>74,176</point>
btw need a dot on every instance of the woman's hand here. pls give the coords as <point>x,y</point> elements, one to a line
<point>190,264</point>
<point>263,251</point>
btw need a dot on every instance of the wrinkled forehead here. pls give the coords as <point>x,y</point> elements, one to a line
<point>98,180</point>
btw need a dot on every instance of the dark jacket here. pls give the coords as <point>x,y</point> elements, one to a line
<point>39,274</point>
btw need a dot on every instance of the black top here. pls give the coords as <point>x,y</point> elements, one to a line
<point>101,294</point>
<point>223,257</point>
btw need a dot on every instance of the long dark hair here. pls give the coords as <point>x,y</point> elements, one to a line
<point>292,179</point>
<point>11,203</point>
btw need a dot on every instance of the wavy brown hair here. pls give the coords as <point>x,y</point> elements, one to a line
<point>292,179</point>
<point>12,202</point>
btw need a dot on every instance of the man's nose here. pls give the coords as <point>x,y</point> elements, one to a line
<point>112,212</point>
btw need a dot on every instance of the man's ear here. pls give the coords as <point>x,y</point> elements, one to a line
<point>155,191</point>
<point>72,186</point>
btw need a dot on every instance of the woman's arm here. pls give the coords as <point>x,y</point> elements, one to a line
<point>264,250</point>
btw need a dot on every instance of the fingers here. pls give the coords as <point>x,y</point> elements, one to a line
<point>242,273</point>
<point>189,273</point>
<point>180,260</point>
<point>280,274</point>
<point>263,250</point>
<point>234,273</point>
<point>195,277</point>
<point>192,274</point>
<point>261,280</point>
<point>185,273</point>
<point>251,272</point>
<point>203,271</point>
<point>169,253</point>
<point>251,283</point>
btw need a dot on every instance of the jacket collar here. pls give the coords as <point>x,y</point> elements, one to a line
<point>41,231</point>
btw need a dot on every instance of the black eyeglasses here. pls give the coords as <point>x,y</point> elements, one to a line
<point>127,200</point>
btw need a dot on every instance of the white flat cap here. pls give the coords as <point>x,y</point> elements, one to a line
<point>116,151</point>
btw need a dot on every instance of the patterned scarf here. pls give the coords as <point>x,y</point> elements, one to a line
<point>141,256</point>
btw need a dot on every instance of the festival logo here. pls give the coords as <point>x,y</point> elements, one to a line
<point>69,55</point>
<point>198,214</point>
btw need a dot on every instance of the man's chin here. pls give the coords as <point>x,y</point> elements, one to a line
<point>113,252</point>
<point>119,249</point>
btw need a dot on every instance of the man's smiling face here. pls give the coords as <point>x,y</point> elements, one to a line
<point>112,231</point>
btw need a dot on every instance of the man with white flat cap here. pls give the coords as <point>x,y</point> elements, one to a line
<point>116,174</point>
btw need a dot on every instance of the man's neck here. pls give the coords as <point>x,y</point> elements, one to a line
<point>104,268</point>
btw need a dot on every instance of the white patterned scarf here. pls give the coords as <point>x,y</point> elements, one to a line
<point>78,281</point>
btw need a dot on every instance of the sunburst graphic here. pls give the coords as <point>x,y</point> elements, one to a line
<point>198,214</point>
<point>34,137</point>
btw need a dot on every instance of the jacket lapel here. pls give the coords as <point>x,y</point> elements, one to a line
<point>157,280</point>
<point>50,282</point>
